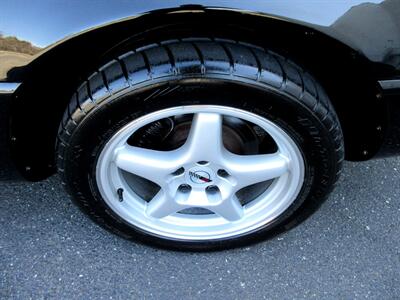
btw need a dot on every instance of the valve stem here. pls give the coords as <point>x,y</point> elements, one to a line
<point>120,193</point>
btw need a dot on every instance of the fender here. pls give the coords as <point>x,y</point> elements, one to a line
<point>371,28</point>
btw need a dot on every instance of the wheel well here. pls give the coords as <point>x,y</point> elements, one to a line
<point>50,80</point>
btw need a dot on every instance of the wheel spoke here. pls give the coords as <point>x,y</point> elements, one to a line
<point>251,169</point>
<point>150,164</point>
<point>230,209</point>
<point>197,198</point>
<point>162,205</point>
<point>204,142</point>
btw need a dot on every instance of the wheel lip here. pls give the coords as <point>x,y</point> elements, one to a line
<point>132,126</point>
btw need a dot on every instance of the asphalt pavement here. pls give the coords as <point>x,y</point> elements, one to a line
<point>350,249</point>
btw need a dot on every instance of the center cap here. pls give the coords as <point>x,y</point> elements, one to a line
<point>200,176</point>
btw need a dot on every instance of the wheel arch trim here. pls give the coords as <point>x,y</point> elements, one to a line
<point>342,21</point>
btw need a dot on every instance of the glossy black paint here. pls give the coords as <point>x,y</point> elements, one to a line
<point>371,28</point>
<point>349,45</point>
<point>7,167</point>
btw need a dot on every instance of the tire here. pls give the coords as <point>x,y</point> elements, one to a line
<point>206,77</point>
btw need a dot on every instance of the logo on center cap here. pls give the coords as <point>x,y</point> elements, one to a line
<point>200,177</point>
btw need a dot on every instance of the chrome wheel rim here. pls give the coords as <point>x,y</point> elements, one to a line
<point>200,174</point>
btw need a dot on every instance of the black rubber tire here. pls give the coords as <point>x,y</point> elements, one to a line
<point>227,73</point>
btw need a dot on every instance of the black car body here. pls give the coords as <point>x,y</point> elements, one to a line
<point>351,47</point>
<point>338,38</point>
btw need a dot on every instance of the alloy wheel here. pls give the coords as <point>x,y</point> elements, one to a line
<point>199,182</point>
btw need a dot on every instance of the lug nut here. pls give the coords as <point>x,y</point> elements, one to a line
<point>178,172</point>
<point>185,188</point>
<point>222,173</point>
<point>212,189</point>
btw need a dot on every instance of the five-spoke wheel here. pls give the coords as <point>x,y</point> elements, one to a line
<point>199,181</point>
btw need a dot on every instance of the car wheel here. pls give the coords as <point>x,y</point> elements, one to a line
<point>199,144</point>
